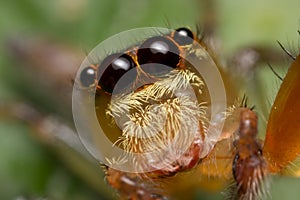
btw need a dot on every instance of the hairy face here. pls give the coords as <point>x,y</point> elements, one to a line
<point>155,99</point>
<point>164,114</point>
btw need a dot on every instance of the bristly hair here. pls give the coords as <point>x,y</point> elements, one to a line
<point>260,193</point>
<point>287,51</point>
<point>293,168</point>
<point>199,32</point>
<point>160,115</point>
<point>273,70</point>
<point>244,103</point>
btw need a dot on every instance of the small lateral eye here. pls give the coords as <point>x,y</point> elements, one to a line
<point>183,36</point>
<point>112,69</point>
<point>88,76</point>
<point>159,50</point>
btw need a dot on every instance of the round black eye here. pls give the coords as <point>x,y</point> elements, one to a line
<point>88,76</point>
<point>159,50</point>
<point>183,36</point>
<point>112,69</point>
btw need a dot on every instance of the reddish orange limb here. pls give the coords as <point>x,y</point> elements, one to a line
<point>130,186</point>
<point>249,165</point>
<point>282,143</point>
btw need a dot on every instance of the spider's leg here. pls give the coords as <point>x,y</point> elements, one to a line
<point>249,166</point>
<point>130,186</point>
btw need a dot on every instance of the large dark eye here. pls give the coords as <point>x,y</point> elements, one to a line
<point>112,69</point>
<point>159,50</point>
<point>183,36</point>
<point>88,76</point>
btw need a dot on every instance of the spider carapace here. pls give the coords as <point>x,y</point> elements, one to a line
<point>164,106</point>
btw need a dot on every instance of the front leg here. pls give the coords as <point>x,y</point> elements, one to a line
<point>249,166</point>
<point>130,186</point>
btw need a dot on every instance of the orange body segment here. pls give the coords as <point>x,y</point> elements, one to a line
<point>282,143</point>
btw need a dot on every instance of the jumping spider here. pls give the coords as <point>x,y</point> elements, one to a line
<point>169,111</point>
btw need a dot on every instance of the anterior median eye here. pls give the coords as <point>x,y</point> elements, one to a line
<point>159,50</point>
<point>88,76</point>
<point>112,69</point>
<point>183,36</point>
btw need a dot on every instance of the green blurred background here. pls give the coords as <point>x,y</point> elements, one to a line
<point>28,169</point>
